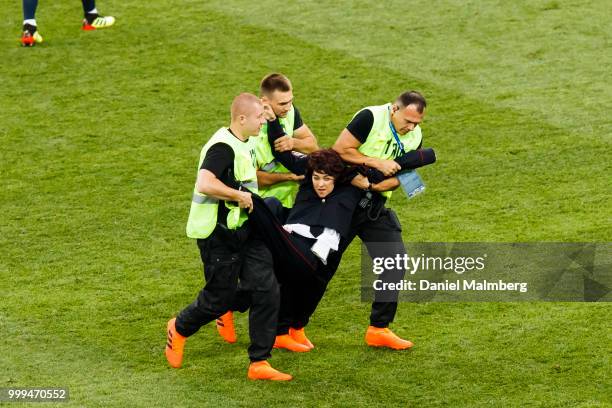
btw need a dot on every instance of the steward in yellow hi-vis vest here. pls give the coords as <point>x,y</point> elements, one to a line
<point>204,209</point>
<point>231,253</point>
<point>375,136</point>
<point>380,142</point>
<point>284,191</point>
<point>273,178</point>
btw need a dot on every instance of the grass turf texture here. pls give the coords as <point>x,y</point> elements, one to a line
<point>100,136</point>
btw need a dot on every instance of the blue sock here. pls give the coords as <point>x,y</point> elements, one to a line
<point>29,9</point>
<point>88,5</point>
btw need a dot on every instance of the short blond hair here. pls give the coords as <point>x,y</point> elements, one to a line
<point>243,103</point>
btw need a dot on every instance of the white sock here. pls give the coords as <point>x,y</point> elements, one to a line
<point>30,21</point>
<point>94,11</point>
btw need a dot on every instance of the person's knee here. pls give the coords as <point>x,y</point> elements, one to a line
<point>225,304</point>
<point>273,295</point>
<point>242,301</point>
<point>269,297</point>
<point>216,300</point>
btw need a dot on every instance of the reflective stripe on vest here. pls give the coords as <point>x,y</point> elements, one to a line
<point>381,143</point>
<point>204,209</point>
<point>203,199</point>
<point>252,185</point>
<point>270,166</point>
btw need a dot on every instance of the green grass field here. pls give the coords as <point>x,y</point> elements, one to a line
<point>101,132</point>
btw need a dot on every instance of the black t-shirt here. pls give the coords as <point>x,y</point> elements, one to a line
<point>297,120</point>
<point>219,160</point>
<point>361,125</point>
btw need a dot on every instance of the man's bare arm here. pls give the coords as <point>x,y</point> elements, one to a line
<point>265,179</point>
<point>303,141</point>
<point>207,183</point>
<point>388,184</point>
<point>346,145</point>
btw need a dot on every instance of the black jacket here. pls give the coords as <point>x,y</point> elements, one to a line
<point>334,211</point>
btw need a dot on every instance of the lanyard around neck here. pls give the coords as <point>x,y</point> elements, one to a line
<point>395,135</point>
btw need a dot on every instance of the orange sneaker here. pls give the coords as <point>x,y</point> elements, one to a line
<point>300,336</point>
<point>262,370</point>
<point>225,327</point>
<point>378,337</point>
<point>287,342</point>
<point>174,345</point>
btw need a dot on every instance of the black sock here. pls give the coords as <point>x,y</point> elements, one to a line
<point>90,17</point>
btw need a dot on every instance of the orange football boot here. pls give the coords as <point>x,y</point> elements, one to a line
<point>225,327</point>
<point>300,336</point>
<point>383,337</point>
<point>30,36</point>
<point>287,342</point>
<point>174,345</point>
<point>262,370</point>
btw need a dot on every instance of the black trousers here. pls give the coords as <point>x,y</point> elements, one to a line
<point>382,238</point>
<point>231,261</point>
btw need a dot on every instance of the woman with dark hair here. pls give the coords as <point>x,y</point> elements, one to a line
<point>325,202</point>
<point>321,214</point>
<point>320,218</point>
<point>303,243</point>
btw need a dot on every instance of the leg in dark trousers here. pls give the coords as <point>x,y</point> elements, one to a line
<point>308,300</point>
<point>257,277</point>
<point>242,301</point>
<point>297,293</point>
<point>289,296</point>
<point>306,296</point>
<point>267,225</point>
<point>385,229</point>
<point>298,302</point>
<point>221,271</point>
